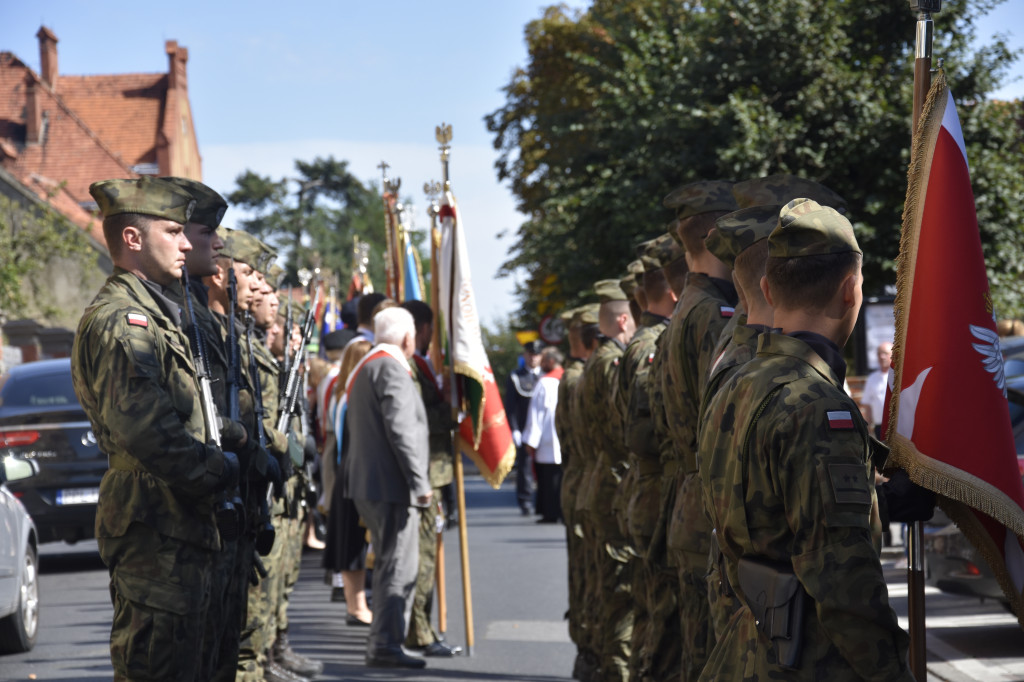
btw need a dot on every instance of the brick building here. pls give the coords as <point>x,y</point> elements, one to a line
<point>60,133</point>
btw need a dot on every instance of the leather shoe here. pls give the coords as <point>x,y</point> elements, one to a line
<point>394,659</point>
<point>352,620</point>
<point>441,649</point>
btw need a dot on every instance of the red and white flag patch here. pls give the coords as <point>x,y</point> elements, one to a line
<point>138,320</point>
<point>726,310</point>
<point>840,419</point>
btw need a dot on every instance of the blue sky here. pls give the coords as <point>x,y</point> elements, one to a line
<point>271,82</point>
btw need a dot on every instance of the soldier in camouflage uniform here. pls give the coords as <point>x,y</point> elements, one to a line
<point>422,636</point>
<point>740,240</point>
<point>707,304</point>
<point>234,562</point>
<point>582,331</point>
<point>641,488</point>
<point>602,439</point>
<point>786,453</point>
<point>135,378</point>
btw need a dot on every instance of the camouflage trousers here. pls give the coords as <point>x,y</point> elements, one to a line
<point>573,546</point>
<point>614,573</point>
<point>291,558</point>
<point>160,589</point>
<point>224,623</point>
<point>695,621</point>
<point>421,632</point>
<point>663,645</point>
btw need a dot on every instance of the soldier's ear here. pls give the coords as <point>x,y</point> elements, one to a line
<point>766,290</point>
<point>132,238</point>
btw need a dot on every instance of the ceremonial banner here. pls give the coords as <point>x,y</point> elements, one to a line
<point>949,423</point>
<point>413,275</point>
<point>484,433</point>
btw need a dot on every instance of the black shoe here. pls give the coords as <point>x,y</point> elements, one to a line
<point>338,594</point>
<point>352,620</point>
<point>272,672</point>
<point>525,509</point>
<point>394,659</point>
<point>441,649</point>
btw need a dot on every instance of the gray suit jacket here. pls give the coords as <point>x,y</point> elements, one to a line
<point>387,452</point>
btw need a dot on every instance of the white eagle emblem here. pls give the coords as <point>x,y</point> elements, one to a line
<point>991,355</point>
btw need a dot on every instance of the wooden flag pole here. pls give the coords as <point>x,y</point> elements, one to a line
<point>915,543</point>
<point>432,190</point>
<point>443,135</point>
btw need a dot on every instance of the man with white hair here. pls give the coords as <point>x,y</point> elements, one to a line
<point>386,446</point>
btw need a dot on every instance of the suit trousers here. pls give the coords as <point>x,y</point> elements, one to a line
<point>394,532</point>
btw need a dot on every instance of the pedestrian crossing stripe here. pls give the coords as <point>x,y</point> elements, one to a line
<point>840,419</point>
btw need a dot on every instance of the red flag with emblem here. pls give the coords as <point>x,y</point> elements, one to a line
<point>949,422</point>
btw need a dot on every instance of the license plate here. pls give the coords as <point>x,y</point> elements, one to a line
<point>78,496</point>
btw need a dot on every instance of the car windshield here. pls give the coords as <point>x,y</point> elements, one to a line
<point>41,390</point>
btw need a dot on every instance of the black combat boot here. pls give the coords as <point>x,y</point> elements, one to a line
<point>293,661</point>
<point>273,671</point>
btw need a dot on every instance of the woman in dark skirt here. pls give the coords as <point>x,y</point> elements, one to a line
<point>346,536</point>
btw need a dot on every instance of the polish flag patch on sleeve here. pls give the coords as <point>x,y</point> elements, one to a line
<point>840,419</point>
<point>138,320</point>
<point>726,310</point>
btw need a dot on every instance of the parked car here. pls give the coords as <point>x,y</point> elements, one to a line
<point>952,564</point>
<point>41,421</point>
<point>19,577</point>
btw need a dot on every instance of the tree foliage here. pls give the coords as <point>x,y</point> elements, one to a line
<point>33,238</point>
<point>624,102</point>
<point>312,219</point>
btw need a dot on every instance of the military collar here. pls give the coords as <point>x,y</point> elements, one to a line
<point>160,296</point>
<point>826,349</point>
<point>727,289</point>
<point>200,291</point>
<point>798,345</point>
<point>649,319</point>
<point>721,289</point>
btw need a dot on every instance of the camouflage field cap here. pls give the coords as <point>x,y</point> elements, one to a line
<point>241,246</point>
<point>661,251</point>
<point>781,188</point>
<point>210,206</point>
<point>734,232</point>
<point>628,284</point>
<point>701,197</point>
<point>146,196</point>
<point>609,290</point>
<point>275,273</point>
<point>806,228</point>
<point>586,315</point>
<point>266,258</point>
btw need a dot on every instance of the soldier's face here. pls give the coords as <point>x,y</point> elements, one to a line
<point>246,285</point>
<point>162,250</point>
<point>265,312</point>
<point>202,259</point>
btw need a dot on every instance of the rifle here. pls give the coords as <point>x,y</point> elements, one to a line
<point>266,534</point>
<point>226,512</point>
<point>264,529</point>
<point>290,397</point>
<point>287,331</point>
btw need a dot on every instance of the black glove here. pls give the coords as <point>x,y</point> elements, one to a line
<point>229,475</point>
<point>273,475</point>
<point>908,502</point>
<point>233,433</point>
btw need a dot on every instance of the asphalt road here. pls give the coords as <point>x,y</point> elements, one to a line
<point>518,577</point>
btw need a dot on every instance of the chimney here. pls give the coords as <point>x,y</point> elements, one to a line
<point>47,57</point>
<point>177,79</point>
<point>33,112</point>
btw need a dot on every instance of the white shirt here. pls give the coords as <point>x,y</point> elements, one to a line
<point>874,395</point>
<point>540,422</point>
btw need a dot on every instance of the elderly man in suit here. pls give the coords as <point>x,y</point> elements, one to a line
<point>386,460</point>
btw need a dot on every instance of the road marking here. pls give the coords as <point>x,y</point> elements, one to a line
<point>899,590</point>
<point>976,620</point>
<point>965,665</point>
<point>547,631</point>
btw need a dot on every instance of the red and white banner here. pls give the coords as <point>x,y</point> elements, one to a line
<point>484,434</point>
<point>949,422</point>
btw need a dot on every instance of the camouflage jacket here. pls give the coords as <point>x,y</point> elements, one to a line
<point>786,455</point>
<point>705,308</point>
<point>439,423</point>
<point>740,349</point>
<point>563,413</point>
<point>269,371</point>
<point>599,427</point>
<point>133,374</point>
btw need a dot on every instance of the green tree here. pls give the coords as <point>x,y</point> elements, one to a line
<point>315,225</point>
<point>32,239</point>
<point>622,103</point>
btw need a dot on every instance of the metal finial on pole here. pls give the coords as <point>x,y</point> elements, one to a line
<point>383,165</point>
<point>443,134</point>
